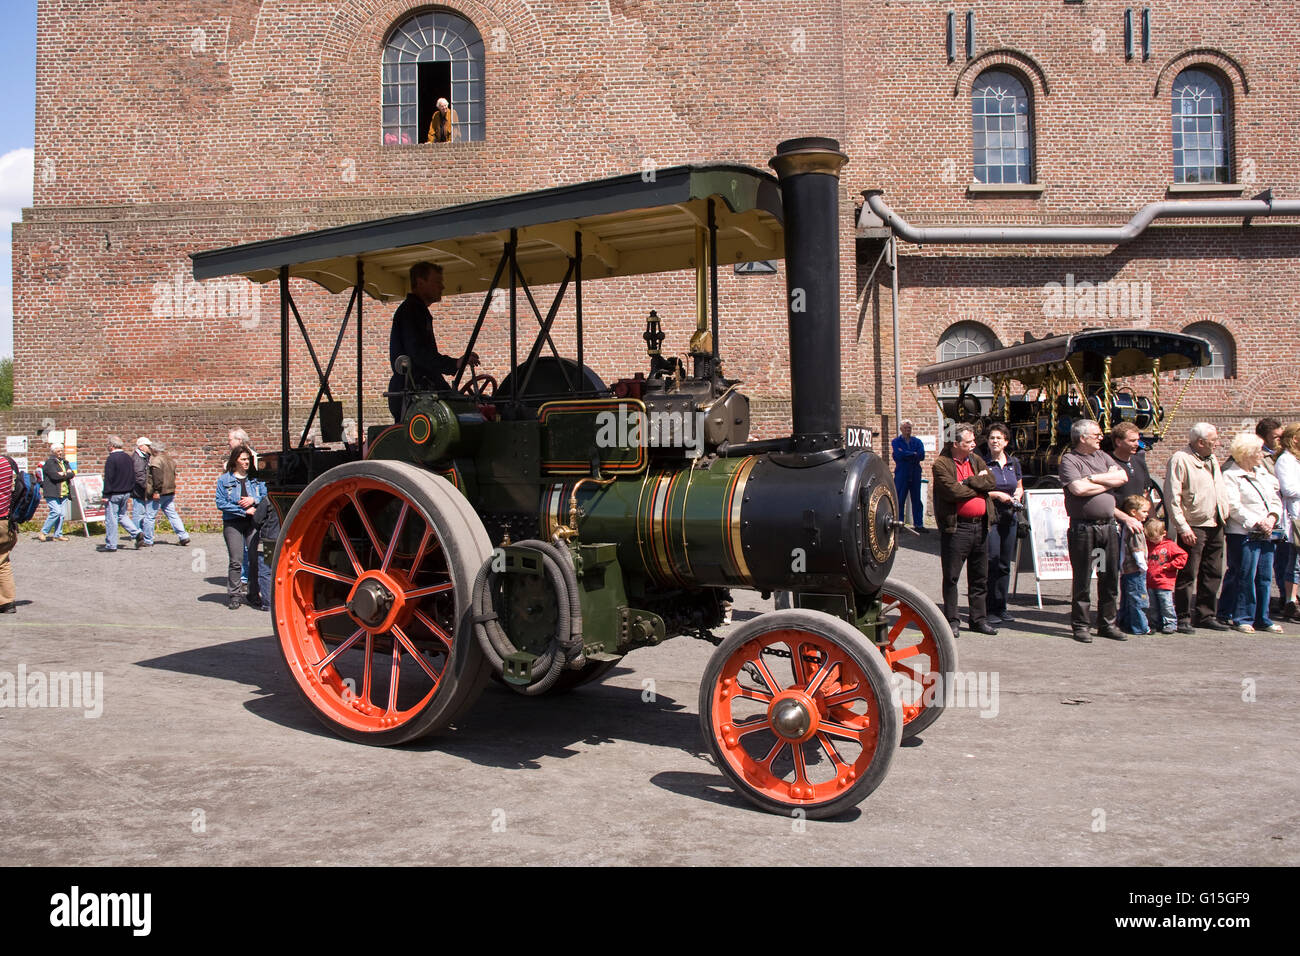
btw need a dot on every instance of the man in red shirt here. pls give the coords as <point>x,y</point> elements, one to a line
<point>962,482</point>
<point>8,537</point>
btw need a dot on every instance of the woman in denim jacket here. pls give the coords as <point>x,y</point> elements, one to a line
<point>238,493</point>
<point>1254,516</point>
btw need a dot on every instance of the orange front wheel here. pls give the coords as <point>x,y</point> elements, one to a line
<point>920,651</point>
<point>797,711</point>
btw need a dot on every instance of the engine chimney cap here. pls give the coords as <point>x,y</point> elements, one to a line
<point>807,142</point>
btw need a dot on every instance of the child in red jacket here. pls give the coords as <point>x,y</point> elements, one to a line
<point>1165,558</point>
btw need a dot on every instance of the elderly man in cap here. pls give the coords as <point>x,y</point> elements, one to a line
<point>142,493</point>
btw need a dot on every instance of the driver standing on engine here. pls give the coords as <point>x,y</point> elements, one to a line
<point>412,336</point>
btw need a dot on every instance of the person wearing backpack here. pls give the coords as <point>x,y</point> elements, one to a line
<point>162,475</point>
<point>119,480</point>
<point>56,483</point>
<point>8,535</point>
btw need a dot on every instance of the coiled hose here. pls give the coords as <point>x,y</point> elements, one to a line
<point>566,645</point>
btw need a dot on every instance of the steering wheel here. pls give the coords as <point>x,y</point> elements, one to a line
<point>480,386</point>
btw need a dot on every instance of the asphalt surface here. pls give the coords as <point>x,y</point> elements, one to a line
<point>1161,750</point>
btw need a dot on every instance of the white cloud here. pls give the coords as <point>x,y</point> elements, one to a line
<point>16,168</point>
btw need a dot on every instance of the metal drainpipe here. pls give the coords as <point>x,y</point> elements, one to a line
<point>898,365</point>
<point>1099,235</point>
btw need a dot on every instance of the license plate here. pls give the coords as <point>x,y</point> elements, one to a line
<point>856,436</point>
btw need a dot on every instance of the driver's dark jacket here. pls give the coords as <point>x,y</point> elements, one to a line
<point>412,336</point>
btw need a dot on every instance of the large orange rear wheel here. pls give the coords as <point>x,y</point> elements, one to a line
<point>371,602</point>
<point>920,651</point>
<point>797,711</point>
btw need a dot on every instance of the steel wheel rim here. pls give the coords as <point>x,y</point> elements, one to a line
<point>827,759</point>
<point>351,665</point>
<point>912,657</point>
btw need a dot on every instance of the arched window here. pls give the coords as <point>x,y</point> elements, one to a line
<point>1223,351</point>
<point>961,341</point>
<point>433,55</point>
<point>1202,128</point>
<point>1002,129</point>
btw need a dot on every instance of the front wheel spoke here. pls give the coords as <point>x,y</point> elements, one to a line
<point>843,730</point>
<point>753,693</point>
<point>433,626</point>
<point>831,752</point>
<point>800,764</point>
<point>749,727</point>
<point>431,589</point>
<point>320,572</point>
<point>764,673</point>
<point>397,532</point>
<point>772,754</point>
<point>414,652</point>
<point>893,657</point>
<point>331,611</point>
<point>365,522</point>
<point>347,545</point>
<point>392,681</point>
<point>819,678</point>
<point>844,696</point>
<point>328,658</point>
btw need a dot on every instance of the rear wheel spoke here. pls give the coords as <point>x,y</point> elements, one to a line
<point>320,572</point>
<point>415,593</point>
<point>347,545</point>
<point>433,626</point>
<point>392,682</point>
<point>414,652</point>
<point>365,522</point>
<point>328,658</point>
<point>397,533</point>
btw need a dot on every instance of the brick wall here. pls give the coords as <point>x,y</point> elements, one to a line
<point>165,128</point>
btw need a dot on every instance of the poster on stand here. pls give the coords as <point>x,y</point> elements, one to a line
<point>87,500</point>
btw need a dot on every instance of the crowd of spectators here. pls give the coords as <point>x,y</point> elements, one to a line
<point>1200,550</point>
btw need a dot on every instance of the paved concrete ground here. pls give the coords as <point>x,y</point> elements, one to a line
<point>1136,753</point>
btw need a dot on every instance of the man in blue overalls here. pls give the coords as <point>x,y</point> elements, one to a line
<point>908,453</point>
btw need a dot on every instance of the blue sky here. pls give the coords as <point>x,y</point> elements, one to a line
<point>17,137</point>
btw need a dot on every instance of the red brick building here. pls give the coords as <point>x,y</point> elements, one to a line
<point>165,128</point>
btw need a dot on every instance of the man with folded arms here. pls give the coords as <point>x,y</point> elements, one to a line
<point>1090,477</point>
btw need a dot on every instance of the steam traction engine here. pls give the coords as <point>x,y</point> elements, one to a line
<point>537,529</point>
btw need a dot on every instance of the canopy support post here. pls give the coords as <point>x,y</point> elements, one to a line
<point>713,286</point>
<point>577,290</point>
<point>482,313</point>
<point>514,315</point>
<point>361,293</point>
<point>530,364</point>
<point>284,357</point>
<point>323,390</point>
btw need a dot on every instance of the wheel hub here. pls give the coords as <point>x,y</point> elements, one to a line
<point>793,716</point>
<point>370,602</point>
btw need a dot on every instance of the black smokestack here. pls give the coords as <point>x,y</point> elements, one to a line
<point>809,170</point>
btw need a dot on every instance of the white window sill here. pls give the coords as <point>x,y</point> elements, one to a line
<point>1193,188</point>
<point>1030,189</point>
